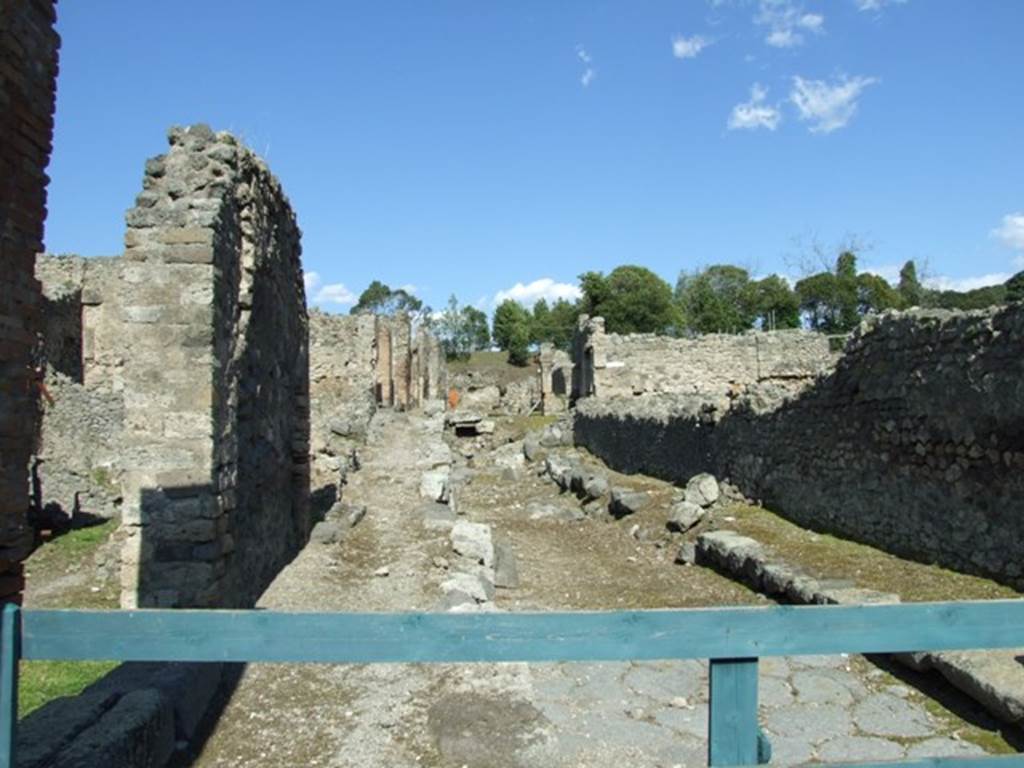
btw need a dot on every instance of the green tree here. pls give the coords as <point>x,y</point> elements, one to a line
<point>911,291</point>
<point>817,294</point>
<point>564,315</point>
<point>1015,288</point>
<point>847,292</point>
<point>476,328</point>
<point>508,317</point>
<point>519,344</point>
<point>874,294</point>
<point>541,328</point>
<point>379,299</point>
<point>631,299</point>
<point>719,299</point>
<point>454,332</point>
<point>776,304</point>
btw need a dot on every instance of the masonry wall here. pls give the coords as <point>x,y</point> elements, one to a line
<point>914,444</point>
<point>76,469</point>
<point>613,365</point>
<point>216,388</point>
<point>28,72</point>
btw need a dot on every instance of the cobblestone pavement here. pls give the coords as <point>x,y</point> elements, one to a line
<point>529,716</point>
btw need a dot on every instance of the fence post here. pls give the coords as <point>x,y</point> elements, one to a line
<point>732,715</point>
<point>10,654</point>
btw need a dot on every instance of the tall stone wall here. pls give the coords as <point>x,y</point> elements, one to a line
<point>28,73</point>
<point>77,465</point>
<point>914,444</point>
<point>216,387</point>
<point>613,365</point>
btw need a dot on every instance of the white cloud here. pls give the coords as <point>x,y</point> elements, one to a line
<point>755,113</point>
<point>943,283</point>
<point>688,47</point>
<point>1011,232</point>
<point>787,22</point>
<point>588,72</point>
<point>335,293</point>
<point>311,280</point>
<point>544,288</point>
<point>875,5</point>
<point>828,106</point>
<point>332,293</point>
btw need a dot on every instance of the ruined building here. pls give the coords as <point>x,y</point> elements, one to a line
<point>185,375</point>
<point>911,441</point>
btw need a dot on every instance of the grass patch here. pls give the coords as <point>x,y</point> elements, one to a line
<point>76,544</point>
<point>828,557</point>
<point>43,681</point>
<point>494,366</point>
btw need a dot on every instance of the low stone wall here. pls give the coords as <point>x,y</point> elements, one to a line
<point>914,444</point>
<point>613,365</point>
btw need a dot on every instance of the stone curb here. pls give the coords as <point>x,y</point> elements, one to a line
<point>994,679</point>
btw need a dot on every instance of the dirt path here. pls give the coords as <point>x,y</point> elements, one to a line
<point>514,715</point>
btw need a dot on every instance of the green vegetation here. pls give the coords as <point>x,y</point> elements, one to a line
<point>829,557</point>
<point>461,330</point>
<point>43,681</point>
<point>379,299</point>
<point>71,553</point>
<point>631,299</point>
<point>73,547</point>
<point>721,298</point>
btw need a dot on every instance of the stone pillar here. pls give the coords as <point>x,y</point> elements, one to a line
<point>385,393</point>
<point>401,352</point>
<point>28,73</point>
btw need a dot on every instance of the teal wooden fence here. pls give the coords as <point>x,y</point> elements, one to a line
<point>732,638</point>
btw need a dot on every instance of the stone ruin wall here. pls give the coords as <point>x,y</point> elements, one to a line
<point>913,444</point>
<point>28,75</point>
<point>715,365</point>
<point>556,371</point>
<point>216,385</point>
<point>76,469</point>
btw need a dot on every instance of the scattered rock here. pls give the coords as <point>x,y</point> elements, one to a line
<point>382,572</point>
<point>626,502</point>
<point>325,532</point>
<point>539,510</point>
<point>532,449</point>
<point>702,490</point>
<point>440,562</point>
<point>437,516</point>
<point>687,553</point>
<point>472,585</point>
<point>595,486</point>
<point>684,515</point>
<point>434,485</point>
<point>473,541</point>
<point>506,572</point>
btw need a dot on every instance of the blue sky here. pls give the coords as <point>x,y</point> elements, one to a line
<point>497,149</point>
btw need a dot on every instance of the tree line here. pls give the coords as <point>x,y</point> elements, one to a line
<point>721,298</point>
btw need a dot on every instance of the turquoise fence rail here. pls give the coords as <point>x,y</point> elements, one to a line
<point>731,638</point>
